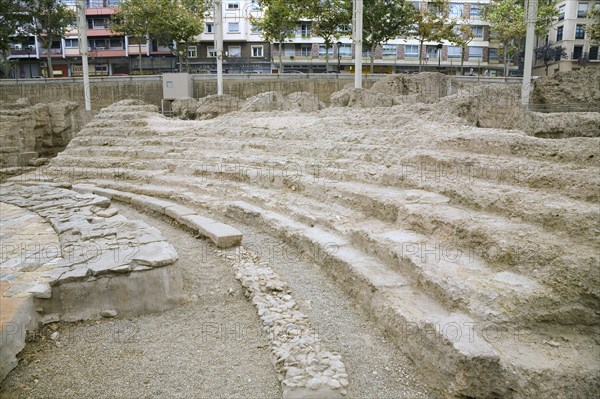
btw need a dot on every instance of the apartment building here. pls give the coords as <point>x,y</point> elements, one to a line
<point>304,52</point>
<point>247,52</point>
<point>569,31</point>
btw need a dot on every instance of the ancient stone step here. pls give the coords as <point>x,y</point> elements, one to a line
<point>445,344</point>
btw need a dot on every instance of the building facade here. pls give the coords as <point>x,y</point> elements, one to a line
<point>569,31</point>
<point>247,52</point>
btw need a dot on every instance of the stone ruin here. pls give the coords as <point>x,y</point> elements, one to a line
<point>32,133</point>
<point>473,246</point>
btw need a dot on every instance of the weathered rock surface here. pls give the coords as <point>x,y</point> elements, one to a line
<point>573,88</point>
<point>31,131</point>
<point>456,239</point>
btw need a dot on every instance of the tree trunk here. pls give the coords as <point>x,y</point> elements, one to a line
<point>140,56</point>
<point>462,62</point>
<point>505,61</point>
<point>49,58</point>
<point>326,58</point>
<point>372,58</point>
<point>420,54</point>
<point>281,57</point>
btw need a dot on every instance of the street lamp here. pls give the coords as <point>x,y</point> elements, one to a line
<point>439,47</point>
<point>28,50</point>
<point>339,46</point>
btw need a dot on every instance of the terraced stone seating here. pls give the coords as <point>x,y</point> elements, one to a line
<point>476,249</point>
<point>70,256</point>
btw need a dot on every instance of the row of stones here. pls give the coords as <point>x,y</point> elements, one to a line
<point>304,366</point>
<point>221,234</point>
<point>93,240</point>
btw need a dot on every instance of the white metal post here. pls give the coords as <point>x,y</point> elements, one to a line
<point>358,41</point>
<point>530,18</point>
<point>219,44</point>
<point>83,50</point>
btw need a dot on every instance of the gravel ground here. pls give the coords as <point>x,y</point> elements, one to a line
<point>376,368</point>
<point>211,345</point>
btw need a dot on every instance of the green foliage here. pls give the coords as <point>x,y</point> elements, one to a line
<point>549,53</point>
<point>593,27</point>
<point>507,20</point>
<point>278,22</point>
<point>432,25</point>
<point>13,15</point>
<point>50,21</point>
<point>172,23</point>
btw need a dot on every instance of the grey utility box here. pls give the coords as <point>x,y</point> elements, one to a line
<point>177,85</point>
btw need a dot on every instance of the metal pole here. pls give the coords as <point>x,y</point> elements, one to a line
<point>358,40</point>
<point>83,50</point>
<point>530,18</point>
<point>219,44</point>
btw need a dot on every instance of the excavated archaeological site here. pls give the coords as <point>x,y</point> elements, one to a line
<point>419,239</point>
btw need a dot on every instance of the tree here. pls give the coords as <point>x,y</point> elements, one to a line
<point>506,18</point>
<point>278,23</point>
<point>178,24</point>
<point>593,27</point>
<point>550,53</point>
<point>384,20</point>
<point>136,19</point>
<point>51,20</point>
<point>327,16</point>
<point>13,15</point>
<point>431,25</point>
<point>464,36</point>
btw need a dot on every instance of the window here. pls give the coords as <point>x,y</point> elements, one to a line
<point>233,27</point>
<point>582,9</point>
<point>233,6</point>
<point>456,10</point>
<point>577,52</point>
<point>559,33</point>
<point>99,23</point>
<point>117,44</point>
<point>454,52</point>
<point>475,10</point>
<point>477,32</point>
<point>475,53</point>
<point>306,50</point>
<point>255,30</point>
<point>254,5</point>
<point>305,30</point>
<point>289,50</point>
<point>345,50</point>
<point>411,51</point>
<point>257,51</point>
<point>390,50</point>
<point>98,44</point>
<point>211,52</point>
<point>210,27</point>
<point>594,53</point>
<point>192,51</point>
<point>322,50</point>
<point>493,54</point>
<point>580,32</point>
<point>71,43</point>
<point>561,12</point>
<point>234,51</point>
<point>432,51</point>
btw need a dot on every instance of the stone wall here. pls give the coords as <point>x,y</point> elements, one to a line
<point>30,133</point>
